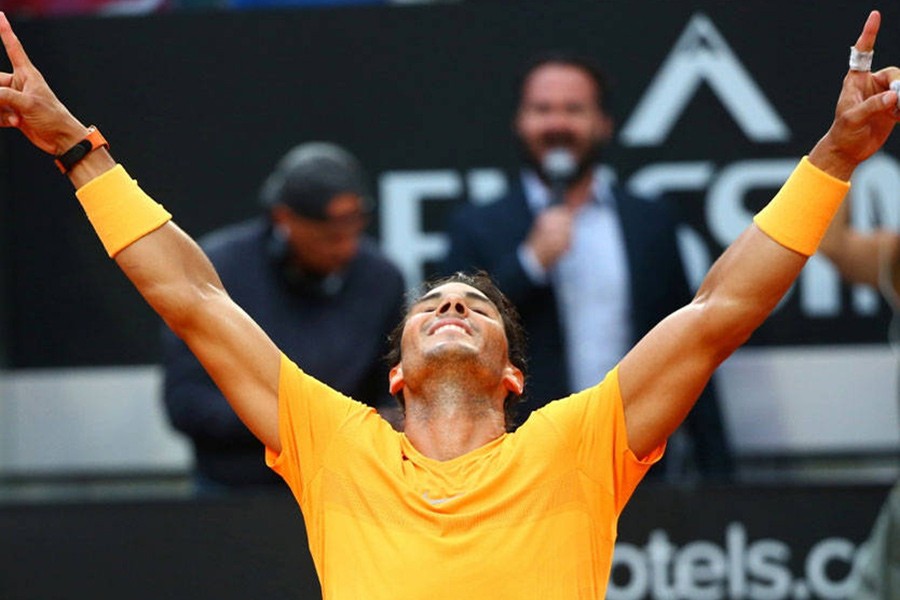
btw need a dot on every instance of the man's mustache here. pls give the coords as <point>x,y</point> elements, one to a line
<point>558,138</point>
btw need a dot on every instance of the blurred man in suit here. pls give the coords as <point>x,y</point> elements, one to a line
<point>590,267</point>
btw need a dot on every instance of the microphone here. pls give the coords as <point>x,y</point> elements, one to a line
<point>559,167</point>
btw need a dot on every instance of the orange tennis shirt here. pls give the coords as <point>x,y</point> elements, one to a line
<point>531,514</point>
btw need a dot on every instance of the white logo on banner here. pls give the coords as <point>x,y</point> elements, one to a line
<point>701,55</point>
<point>739,568</point>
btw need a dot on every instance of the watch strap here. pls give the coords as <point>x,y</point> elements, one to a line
<point>71,157</point>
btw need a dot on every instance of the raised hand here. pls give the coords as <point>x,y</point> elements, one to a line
<point>865,115</point>
<point>28,103</point>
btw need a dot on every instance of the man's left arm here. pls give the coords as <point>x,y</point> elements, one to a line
<point>663,375</point>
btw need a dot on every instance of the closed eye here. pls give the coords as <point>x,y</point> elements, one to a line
<point>483,308</point>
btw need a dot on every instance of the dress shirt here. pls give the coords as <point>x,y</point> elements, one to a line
<point>591,281</point>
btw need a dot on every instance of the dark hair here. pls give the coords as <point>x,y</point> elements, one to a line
<point>512,326</point>
<point>571,59</point>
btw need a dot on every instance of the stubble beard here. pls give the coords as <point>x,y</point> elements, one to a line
<point>455,374</point>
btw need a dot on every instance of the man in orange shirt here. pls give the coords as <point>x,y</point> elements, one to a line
<point>455,506</point>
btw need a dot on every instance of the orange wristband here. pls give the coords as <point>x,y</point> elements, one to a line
<point>119,210</point>
<point>799,214</point>
<point>74,155</point>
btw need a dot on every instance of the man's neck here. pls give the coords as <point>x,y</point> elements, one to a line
<point>579,193</point>
<point>452,422</point>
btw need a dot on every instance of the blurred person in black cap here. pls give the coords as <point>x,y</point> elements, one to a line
<point>308,274</point>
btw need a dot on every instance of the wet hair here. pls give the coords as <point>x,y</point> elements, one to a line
<point>512,326</point>
<point>570,59</point>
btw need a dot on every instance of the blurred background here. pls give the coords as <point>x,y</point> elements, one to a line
<point>714,101</point>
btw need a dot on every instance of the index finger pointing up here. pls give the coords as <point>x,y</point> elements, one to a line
<point>11,43</point>
<point>866,40</point>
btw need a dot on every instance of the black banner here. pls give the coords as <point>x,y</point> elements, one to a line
<point>740,543</point>
<point>715,102</point>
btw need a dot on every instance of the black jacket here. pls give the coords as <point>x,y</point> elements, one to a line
<point>488,236</point>
<point>338,337</point>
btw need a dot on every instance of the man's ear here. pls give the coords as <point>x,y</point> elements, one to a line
<point>514,380</point>
<point>280,214</point>
<point>396,379</point>
<point>605,129</point>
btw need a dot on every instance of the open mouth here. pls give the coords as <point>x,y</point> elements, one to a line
<point>450,326</point>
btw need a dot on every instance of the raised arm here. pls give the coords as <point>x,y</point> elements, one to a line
<point>663,375</point>
<point>165,265</point>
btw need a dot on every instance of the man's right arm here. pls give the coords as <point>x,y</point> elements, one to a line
<point>165,264</point>
<point>193,403</point>
<point>174,276</point>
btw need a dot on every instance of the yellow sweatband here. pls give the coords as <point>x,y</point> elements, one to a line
<point>799,214</point>
<point>119,210</point>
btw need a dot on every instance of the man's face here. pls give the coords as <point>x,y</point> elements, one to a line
<point>559,109</point>
<point>455,326</point>
<point>325,246</point>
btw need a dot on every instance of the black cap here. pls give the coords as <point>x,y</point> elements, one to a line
<point>310,175</point>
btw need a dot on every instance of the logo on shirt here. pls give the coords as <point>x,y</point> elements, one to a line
<point>438,501</point>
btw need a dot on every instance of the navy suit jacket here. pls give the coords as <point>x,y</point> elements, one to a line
<point>488,236</point>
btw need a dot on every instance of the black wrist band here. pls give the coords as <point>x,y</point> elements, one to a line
<point>76,153</point>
